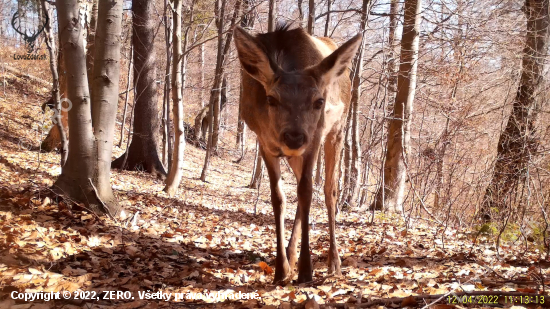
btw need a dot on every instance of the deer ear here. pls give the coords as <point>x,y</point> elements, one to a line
<point>334,65</point>
<point>254,59</point>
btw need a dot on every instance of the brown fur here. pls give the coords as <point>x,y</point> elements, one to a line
<point>296,96</point>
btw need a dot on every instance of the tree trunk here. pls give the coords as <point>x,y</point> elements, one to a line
<point>105,93</point>
<point>247,22</point>
<point>176,169</point>
<point>90,41</point>
<point>214,92</point>
<point>519,142</point>
<point>311,17</point>
<point>50,43</point>
<point>143,153</point>
<point>400,123</point>
<point>257,169</point>
<point>300,13</point>
<point>272,16</point>
<point>327,23</point>
<point>392,62</point>
<point>53,139</point>
<point>202,74</point>
<point>353,146</point>
<point>85,177</point>
<point>128,84</point>
<point>166,138</point>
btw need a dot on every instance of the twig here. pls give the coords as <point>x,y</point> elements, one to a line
<point>105,208</point>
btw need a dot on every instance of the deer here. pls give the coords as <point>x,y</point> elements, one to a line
<point>296,96</point>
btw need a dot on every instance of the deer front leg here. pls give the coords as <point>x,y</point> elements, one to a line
<point>305,191</point>
<point>333,147</point>
<point>282,269</point>
<point>291,251</point>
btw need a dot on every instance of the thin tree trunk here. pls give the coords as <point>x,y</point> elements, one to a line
<point>214,92</point>
<point>53,139</point>
<point>319,167</point>
<point>300,13</point>
<point>391,88</point>
<point>311,17</point>
<point>257,169</point>
<point>327,23</point>
<point>166,138</point>
<point>126,97</point>
<point>90,40</point>
<point>178,78</point>
<point>518,142</point>
<point>220,73</point>
<point>355,164</point>
<point>50,43</point>
<point>272,16</point>
<point>143,153</point>
<point>202,74</point>
<point>247,22</point>
<point>400,123</point>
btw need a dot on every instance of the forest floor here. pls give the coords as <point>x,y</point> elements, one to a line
<point>209,239</point>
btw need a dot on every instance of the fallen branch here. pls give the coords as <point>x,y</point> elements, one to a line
<point>20,74</point>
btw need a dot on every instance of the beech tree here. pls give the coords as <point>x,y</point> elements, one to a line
<point>178,83</point>
<point>143,153</point>
<point>391,193</point>
<point>519,141</point>
<point>85,176</point>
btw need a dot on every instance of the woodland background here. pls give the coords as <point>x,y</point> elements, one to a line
<point>469,69</point>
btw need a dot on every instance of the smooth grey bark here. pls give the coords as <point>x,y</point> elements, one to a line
<point>90,41</point>
<point>85,177</point>
<point>519,142</point>
<point>178,72</point>
<point>393,189</point>
<point>105,92</point>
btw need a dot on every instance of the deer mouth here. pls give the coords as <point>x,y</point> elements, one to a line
<point>293,152</point>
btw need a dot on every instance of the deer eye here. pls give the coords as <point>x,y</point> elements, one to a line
<point>271,101</point>
<point>318,103</point>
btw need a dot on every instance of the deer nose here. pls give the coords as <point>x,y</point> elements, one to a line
<point>294,139</point>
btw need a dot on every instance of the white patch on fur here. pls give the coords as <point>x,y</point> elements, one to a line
<point>321,46</point>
